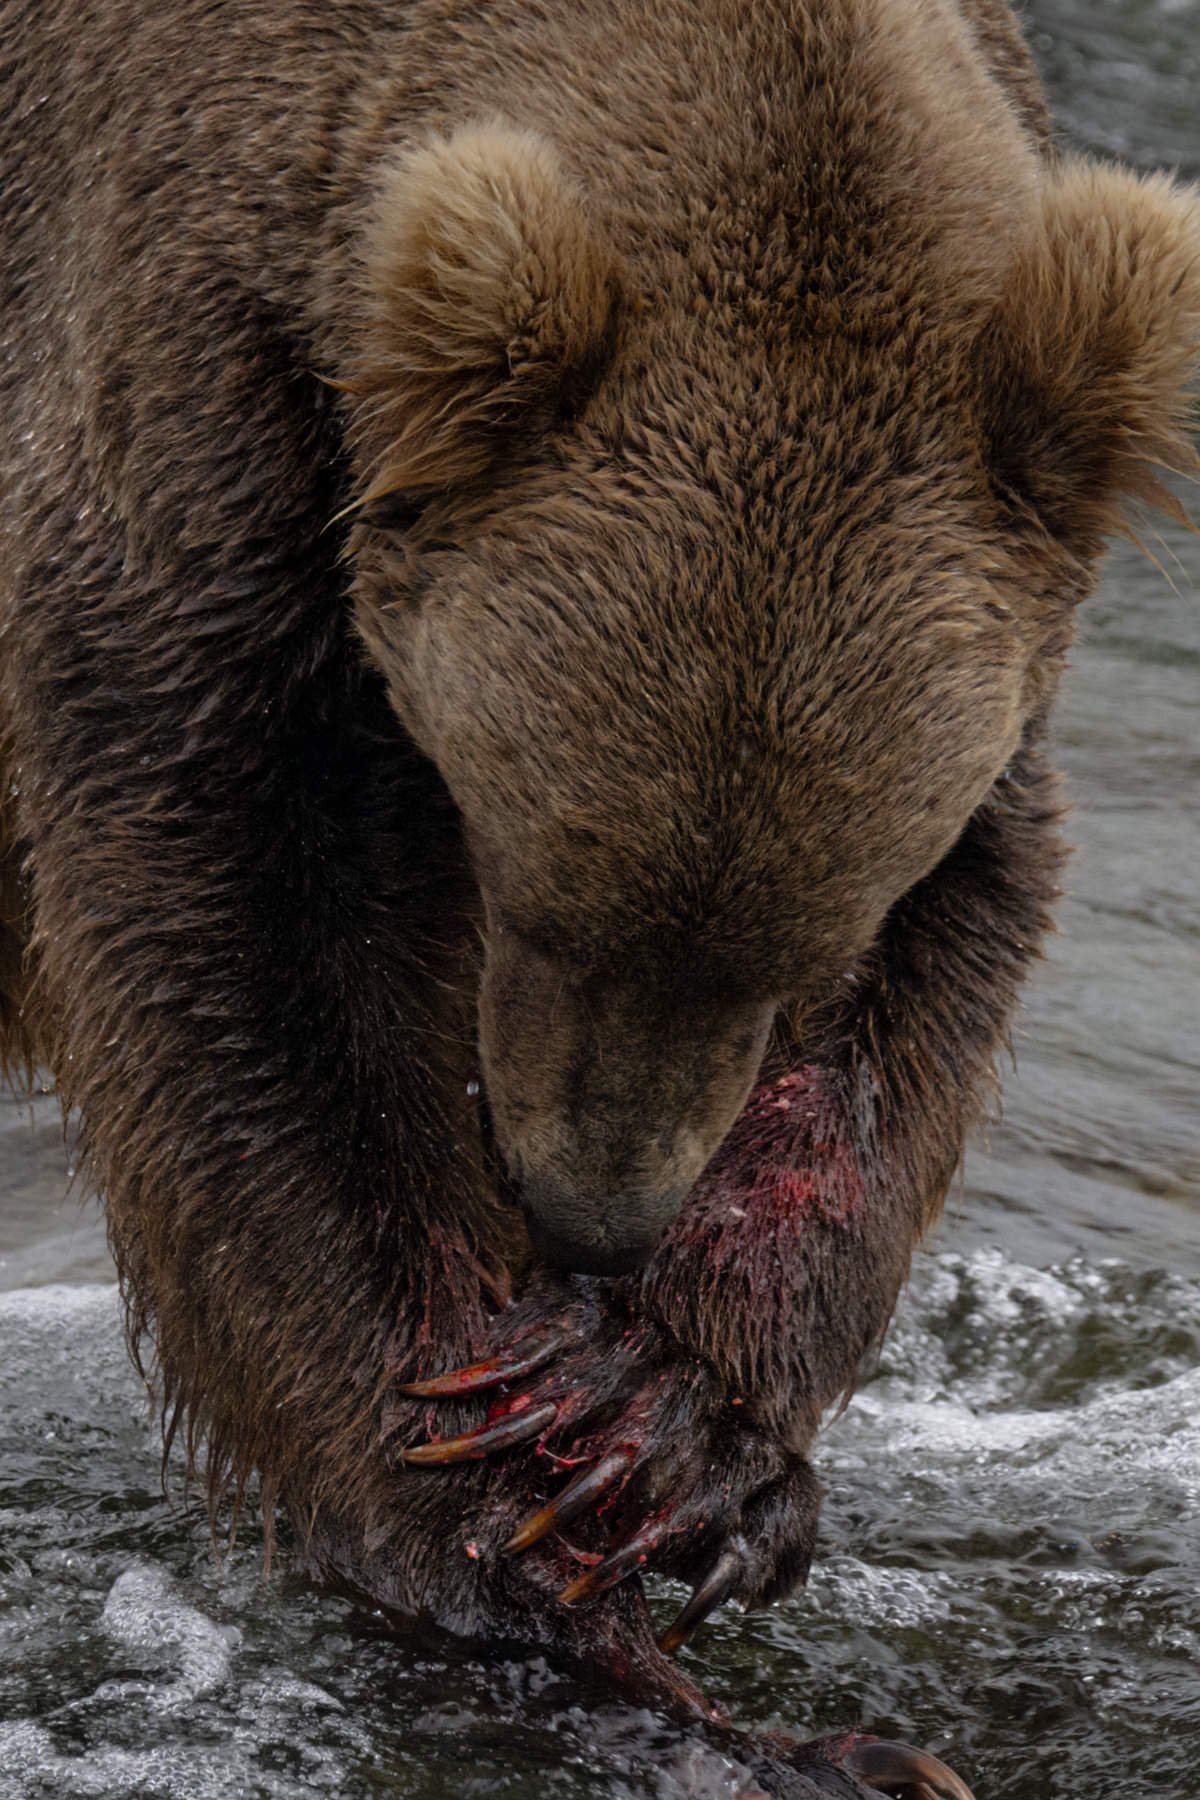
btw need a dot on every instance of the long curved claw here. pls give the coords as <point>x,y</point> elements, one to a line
<point>513,1428</point>
<point>899,1769</point>
<point>509,1365</point>
<point>721,1581</point>
<point>575,1498</point>
<point>631,1555</point>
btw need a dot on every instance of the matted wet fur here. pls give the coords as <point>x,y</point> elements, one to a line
<point>708,418</point>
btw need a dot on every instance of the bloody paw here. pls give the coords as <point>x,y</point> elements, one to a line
<point>641,1459</point>
<point>898,1770</point>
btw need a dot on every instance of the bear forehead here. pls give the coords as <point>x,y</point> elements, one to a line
<point>701,740</point>
<point>679,627</point>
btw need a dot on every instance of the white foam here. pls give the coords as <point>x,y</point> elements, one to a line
<point>883,1597</point>
<point>1120,1434</point>
<point>33,1768</point>
<point>145,1615</point>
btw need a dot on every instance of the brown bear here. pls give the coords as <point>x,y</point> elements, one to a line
<point>538,543</point>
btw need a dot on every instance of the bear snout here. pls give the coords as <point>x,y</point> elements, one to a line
<point>607,1096</point>
<point>610,1234</point>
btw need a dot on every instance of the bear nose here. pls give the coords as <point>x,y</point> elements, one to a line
<point>576,1256</point>
<point>578,1237</point>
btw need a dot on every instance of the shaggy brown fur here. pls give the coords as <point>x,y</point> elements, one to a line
<point>708,416</point>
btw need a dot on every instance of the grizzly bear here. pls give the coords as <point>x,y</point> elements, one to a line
<point>539,541</point>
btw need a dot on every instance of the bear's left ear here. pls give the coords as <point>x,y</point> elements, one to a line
<point>1088,359</point>
<point>491,305</point>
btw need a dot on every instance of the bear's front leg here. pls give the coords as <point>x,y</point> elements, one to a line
<point>662,1458</point>
<point>679,1407</point>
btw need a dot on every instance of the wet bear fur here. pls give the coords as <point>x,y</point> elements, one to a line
<point>539,542</point>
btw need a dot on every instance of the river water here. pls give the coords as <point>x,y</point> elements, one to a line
<point>1010,1560</point>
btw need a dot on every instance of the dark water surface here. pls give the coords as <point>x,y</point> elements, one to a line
<point>1010,1563</point>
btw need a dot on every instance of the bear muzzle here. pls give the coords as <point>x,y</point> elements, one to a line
<point>604,1097</point>
<point>582,1234</point>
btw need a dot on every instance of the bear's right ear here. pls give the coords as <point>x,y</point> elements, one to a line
<point>1089,359</point>
<point>492,305</point>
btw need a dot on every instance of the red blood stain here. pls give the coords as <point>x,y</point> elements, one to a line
<point>788,1157</point>
<point>506,1404</point>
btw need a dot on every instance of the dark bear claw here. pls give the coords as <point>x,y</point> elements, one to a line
<point>632,1555</point>
<point>580,1493</point>
<point>520,1359</point>
<point>516,1427</point>
<point>720,1584</point>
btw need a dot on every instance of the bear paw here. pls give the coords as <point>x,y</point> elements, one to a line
<point>659,1470</point>
<point>851,1763</point>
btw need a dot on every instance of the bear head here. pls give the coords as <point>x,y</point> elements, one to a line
<point>721,570</point>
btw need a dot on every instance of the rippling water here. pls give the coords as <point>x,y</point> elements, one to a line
<point>1011,1547</point>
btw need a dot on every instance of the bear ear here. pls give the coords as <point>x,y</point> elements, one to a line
<point>1090,355</point>
<point>491,307</point>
